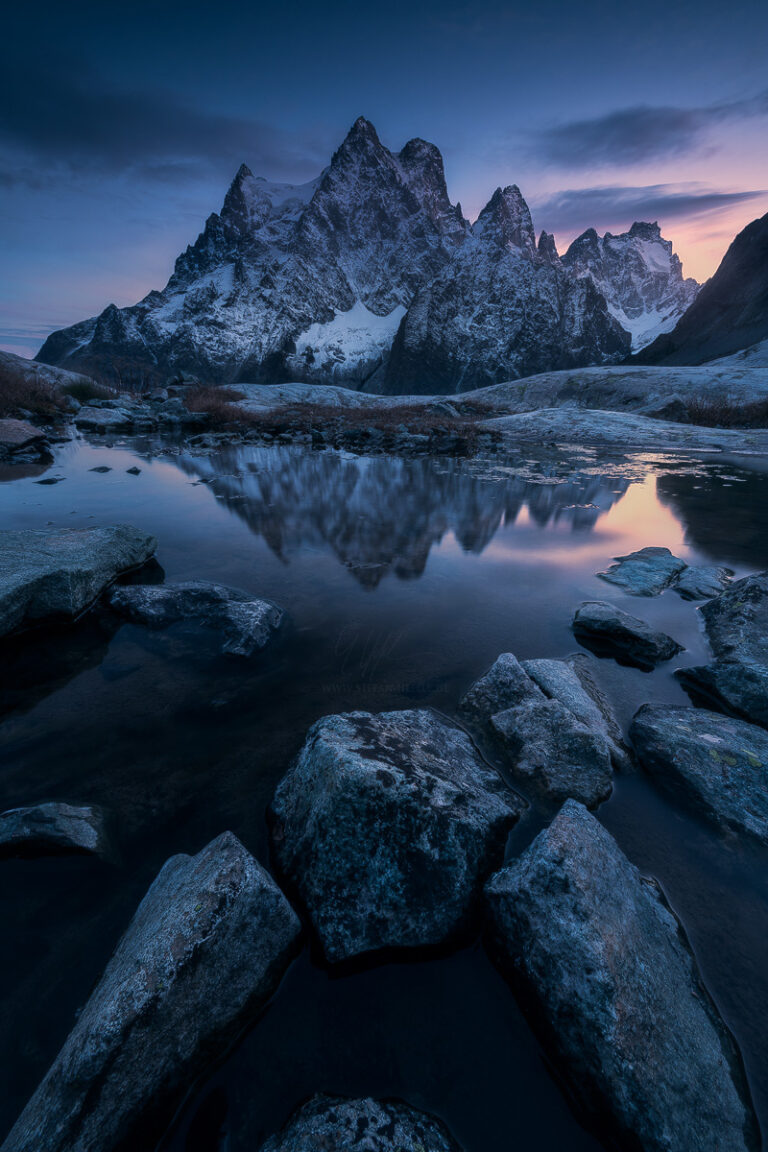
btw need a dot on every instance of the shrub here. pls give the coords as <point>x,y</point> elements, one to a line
<point>27,390</point>
<point>86,390</point>
<point>722,413</point>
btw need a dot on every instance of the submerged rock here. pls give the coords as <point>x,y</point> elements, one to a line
<point>246,623</point>
<point>607,631</point>
<point>387,826</point>
<point>737,621</point>
<point>541,737</point>
<point>738,689</point>
<point>333,1123</point>
<point>570,681</point>
<point>51,828</point>
<point>719,765</point>
<point>646,572</point>
<point>699,582</point>
<point>206,948</point>
<point>618,992</point>
<point>48,574</point>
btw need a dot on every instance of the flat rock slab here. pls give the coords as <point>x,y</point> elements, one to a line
<point>537,731</point>
<point>737,689</point>
<point>52,828</point>
<point>701,582</point>
<point>333,1124</point>
<point>719,765</point>
<point>91,419</point>
<point>737,621</point>
<point>607,631</point>
<point>646,572</point>
<point>49,574</point>
<point>206,948</point>
<point>387,825</point>
<point>16,435</point>
<point>570,680</point>
<point>246,624</point>
<point>618,992</point>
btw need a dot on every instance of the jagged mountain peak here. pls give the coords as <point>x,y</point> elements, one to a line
<point>547,248</point>
<point>645,231</point>
<point>506,221</point>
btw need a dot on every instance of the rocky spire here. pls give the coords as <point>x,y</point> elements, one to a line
<point>506,221</point>
<point>547,249</point>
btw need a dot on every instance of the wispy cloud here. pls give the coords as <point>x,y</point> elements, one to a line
<point>74,117</point>
<point>611,205</point>
<point>634,135</point>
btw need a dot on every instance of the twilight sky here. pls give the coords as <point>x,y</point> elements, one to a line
<point>122,125</point>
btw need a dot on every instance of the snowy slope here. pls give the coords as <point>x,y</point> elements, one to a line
<point>640,276</point>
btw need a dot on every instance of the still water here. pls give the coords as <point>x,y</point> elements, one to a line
<point>402,581</point>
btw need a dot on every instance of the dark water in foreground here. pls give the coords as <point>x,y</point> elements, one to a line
<point>403,581</point>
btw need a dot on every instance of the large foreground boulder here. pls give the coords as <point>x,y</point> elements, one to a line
<point>618,992</point>
<point>332,1124</point>
<point>607,631</point>
<point>719,765</point>
<point>541,737</point>
<point>646,572</point>
<point>20,438</point>
<point>54,827</point>
<point>245,623</point>
<point>54,574</point>
<point>206,948</point>
<point>387,825</point>
<point>738,689</point>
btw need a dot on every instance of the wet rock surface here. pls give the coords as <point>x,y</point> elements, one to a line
<point>607,631</point>
<point>387,826</point>
<point>736,622</point>
<point>246,623</point>
<point>206,948</point>
<point>52,574</point>
<point>543,738</point>
<point>52,828</point>
<point>618,992</point>
<point>702,582</point>
<point>717,764</point>
<point>739,690</point>
<point>20,438</point>
<point>570,680</point>
<point>327,1122</point>
<point>646,572</point>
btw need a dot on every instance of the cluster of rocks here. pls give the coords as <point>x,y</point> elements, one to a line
<point>155,412</point>
<point>649,571</point>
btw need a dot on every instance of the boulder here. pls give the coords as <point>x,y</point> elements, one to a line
<point>717,764</point>
<point>617,992</point>
<point>737,621</point>
<point>52,828</point>
<point>47,574</point>
<point>333,1123</point>
<point>504,685</point>
<point>21,436</point>
<point>737,689</point>
<point>206,949</point>
<point>245,623</point>
<point>700,582</point>
<point>607,631</point>
<point>570,681</point>
<point>387,825</point>
<point>96,419</point>
<point>646,572</point>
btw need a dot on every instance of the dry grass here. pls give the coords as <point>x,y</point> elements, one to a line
<point>26,391</point>
<point>722,414</point>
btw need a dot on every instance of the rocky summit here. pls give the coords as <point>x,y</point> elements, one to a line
<point>369,276</point>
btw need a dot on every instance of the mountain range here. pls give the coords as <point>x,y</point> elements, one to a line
<point>369,276</point>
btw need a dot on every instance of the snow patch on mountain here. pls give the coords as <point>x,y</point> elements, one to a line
<point>352,342</point>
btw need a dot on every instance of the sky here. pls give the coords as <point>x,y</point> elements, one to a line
<point>123,125</point>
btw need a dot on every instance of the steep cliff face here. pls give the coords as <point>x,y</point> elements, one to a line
<point>731,311</point>
<point>640,276</point>
<point>367,276</point>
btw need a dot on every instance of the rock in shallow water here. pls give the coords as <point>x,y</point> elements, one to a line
<point>618,992</point>
<point>49,574</point>
<point>737,621</point>
<point>607,631</point>
<point>246,624</point>
<point>717,764</point>
<point>540,737</point>
<point>699,582</point>
<point>328,1124</point>
<point>387,825</point>
<point>646,572</point>
<point>206,948</point>
<point>738,689</point>
<point>51,828</point>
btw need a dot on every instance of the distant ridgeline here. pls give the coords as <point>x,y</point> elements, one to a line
<point>369,276</point>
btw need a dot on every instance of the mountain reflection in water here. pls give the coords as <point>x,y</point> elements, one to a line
<point>385,514</point>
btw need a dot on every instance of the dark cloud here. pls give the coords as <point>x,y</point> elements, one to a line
<point>73,116</point>
<point>607,206</point>
<point>633,135</point>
